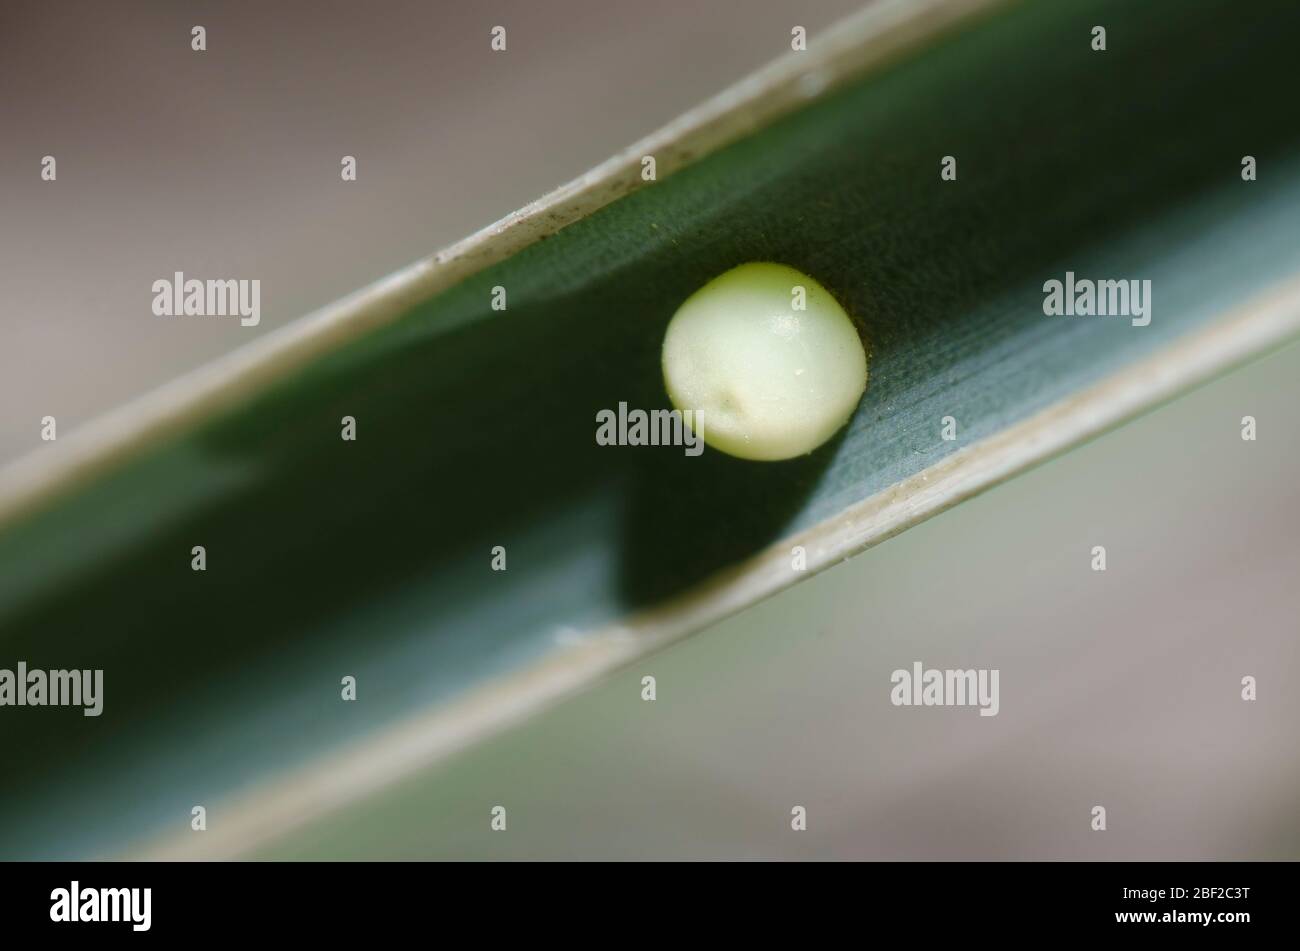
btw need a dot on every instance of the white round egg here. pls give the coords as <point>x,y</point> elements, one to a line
<point>767,361</point>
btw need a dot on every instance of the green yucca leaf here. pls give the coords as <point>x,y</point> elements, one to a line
<point>372,558</point>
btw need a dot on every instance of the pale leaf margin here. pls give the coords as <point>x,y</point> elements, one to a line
<point>1265,323</point>
<point>869,40</point>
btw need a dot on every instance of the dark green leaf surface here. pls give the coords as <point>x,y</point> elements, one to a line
<point>476,428</point>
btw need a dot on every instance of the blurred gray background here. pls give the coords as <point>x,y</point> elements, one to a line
<point>1120,689</point>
